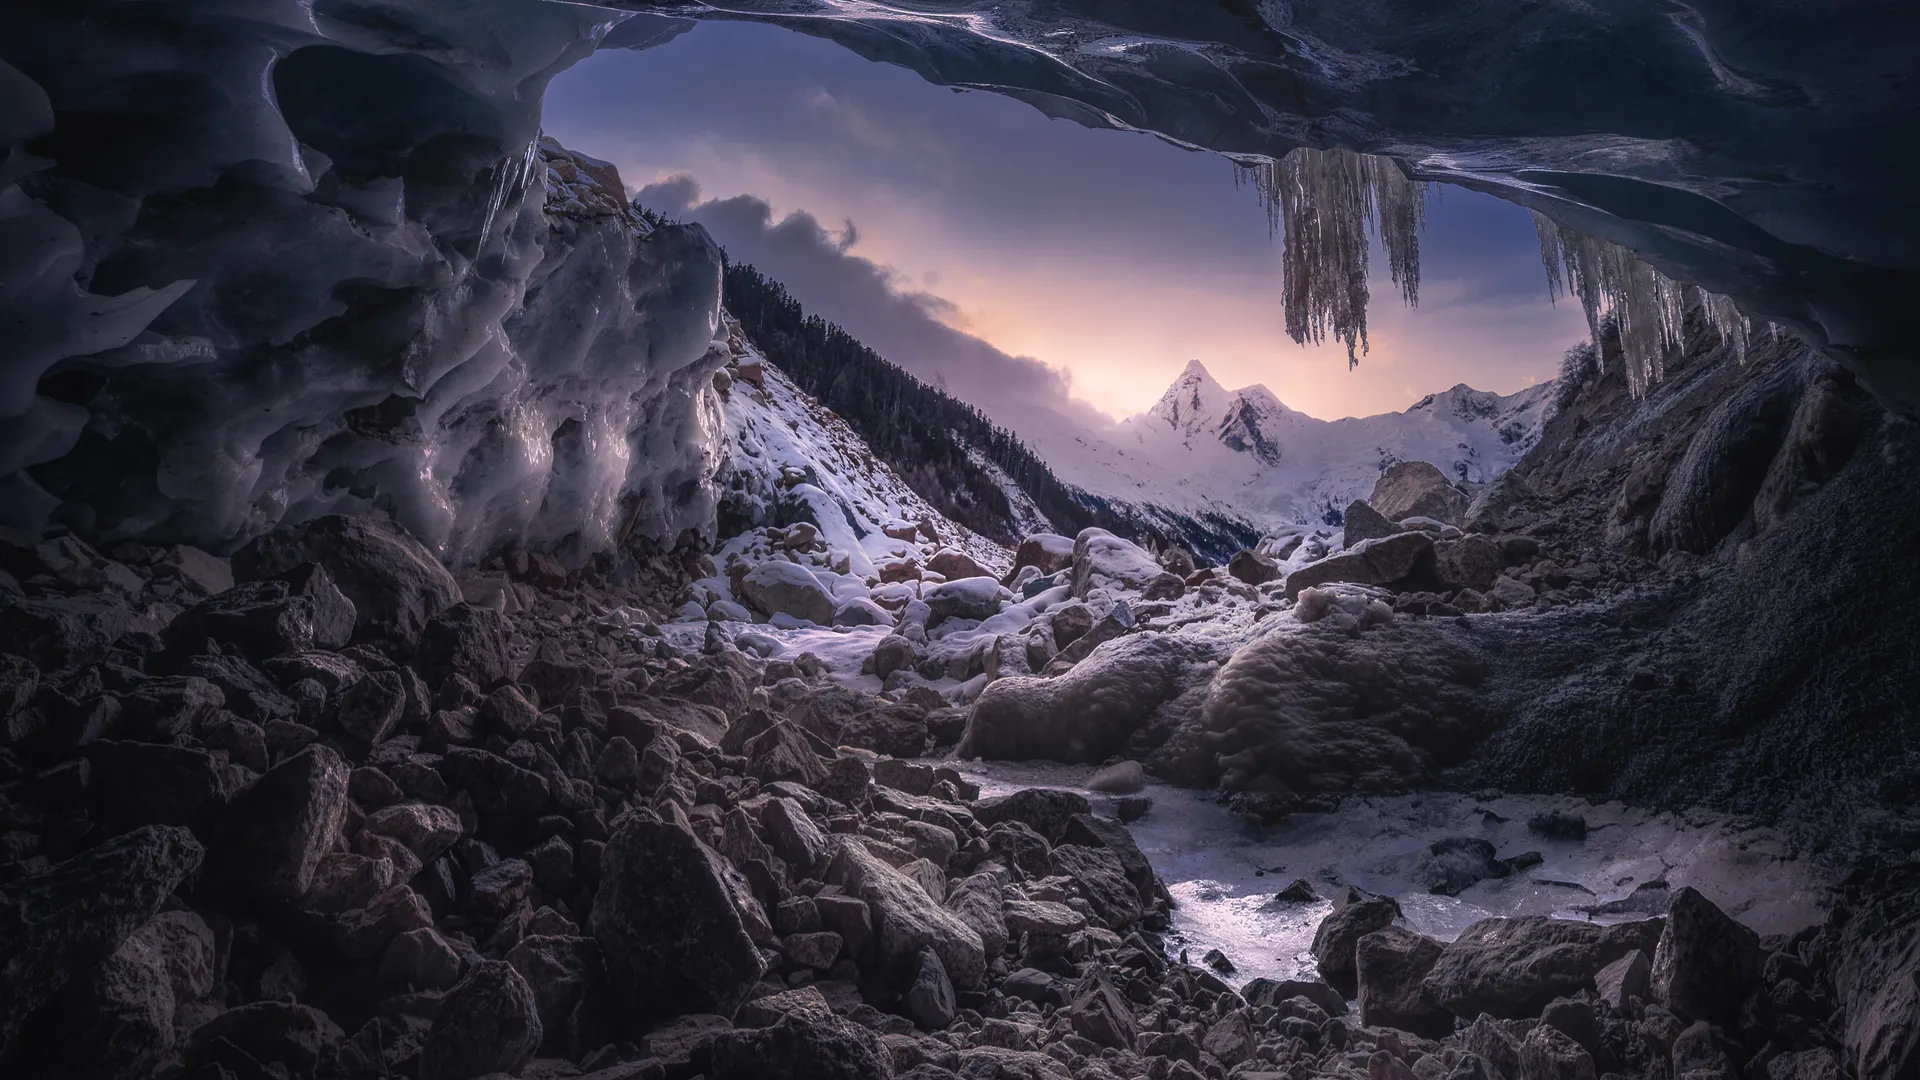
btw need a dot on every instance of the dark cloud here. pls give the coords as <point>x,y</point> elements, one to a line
<point>882,308</point>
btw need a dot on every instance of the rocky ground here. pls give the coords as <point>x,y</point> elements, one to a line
<point>308,813</point>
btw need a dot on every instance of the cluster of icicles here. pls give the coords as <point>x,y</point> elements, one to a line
<point>1325,203</point>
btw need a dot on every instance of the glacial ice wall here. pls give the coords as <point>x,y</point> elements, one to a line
<point>266,260</point>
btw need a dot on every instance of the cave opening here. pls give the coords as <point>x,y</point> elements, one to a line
<point>624,540</point>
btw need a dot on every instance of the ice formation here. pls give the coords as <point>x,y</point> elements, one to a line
<point>1324,203</point>
<point>353,278</point>
<point>1648,308</point>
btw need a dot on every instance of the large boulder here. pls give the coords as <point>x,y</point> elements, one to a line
<point>298,610</point>
<point>1047,811</point>
<point>1873,938</point>
<point>1102,881</point>
<point>1050,552</point>
<point>1387,560</point>
<point>1252,567</point>
<point>271,838</point>
<point>56,632</point>
<point>1514,968</point>
<point>1317,712</point>
<point>667,922</point>
<point>1390,966</point>
<point>1335,940</point>
<point>395,583</point>
<point>115,1022</point>
<point>907,920</point>
<point>800,1046</point>
<point>1471,562</point>
<point>1361,522</point>
<point>1102,560</point>
<point>487,1024</point>
<point>1418,489</point>
<point>968,598</point>
<point>1087,714</point>
<point>465,640</point>
<point>778,586</point>
<point>70,917</point>
<point>1706,963</point>
<point>954,564</point>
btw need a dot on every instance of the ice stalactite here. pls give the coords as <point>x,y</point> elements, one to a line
<point>1324,203</point>
<point>1647,307</point>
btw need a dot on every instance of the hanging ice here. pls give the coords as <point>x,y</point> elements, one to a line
<point>1648,307</point>
<point>1324,203</point>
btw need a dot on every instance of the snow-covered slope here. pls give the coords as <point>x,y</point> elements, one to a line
<point>1243,455</point>
<point>792,459</point>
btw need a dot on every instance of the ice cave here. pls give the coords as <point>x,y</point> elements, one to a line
<point>473,606</point>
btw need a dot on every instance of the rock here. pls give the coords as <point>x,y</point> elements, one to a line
<point>1252,567</point>
<point>1706,963</point>
<point>980,902</point>
<point>487,1024</point>
<point>894,653</point>
<point>906,920</point>
<point>1298,891</point>
<point>793,835</point>
<point>1390,966</point>
<point>1230,1039</point>
<point>1514,968</point>
<point>968,598</point>
<point>816,950</point>
<point>783,753</point>
<point>504,794</point>
<point>1270,992</point>
<point>800,1048</point>
<point>1417,489</point>
<point>929,1000</point>
<point>1070,623</point>
<point>1558,825</point>
<point>667,923</point>
<point>780,586</point>
<point>204,573</point>
<point>1452,864</point>
<point>1819,1063</point>
<point>1512,594</point>
<point>1045,810</point>
<point>1340,931</point>
<point>420,959</point>
<point>1623,980</point>
<point>1381,561</point>
<point>1549,1054</point>
<point>1050,552</point>
<point>465,640</point>
<point>370,708</point>
<point>1087,714</point>
<point>1102,560</point>
<point>115,1020</point>
<point>807,1003</point>
<point>157,784</point>
<point>1103,882</point>
<point>1362,522</point>
<point>954,565</point>
<point>1120,778</point>
<point>59,632</point>
<point>1576,1018</point>
<point>1471,562</point>
<point>367,933</point>
<point>1873,947</point>
<point>297,1039</point>
<point>70,917</point>
<point>1132,808</point>
<point>1045,917</point>
<point>1099,1012</point>
<point>1218,961</point>
<point>396,585</point>
<point>1089,831</point>
<point>861,612</point>
<point>564,972</point>
<point>271,837</point>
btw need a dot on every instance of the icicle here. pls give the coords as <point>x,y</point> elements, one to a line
<point>1325,203</point>
<point>1648,308</point>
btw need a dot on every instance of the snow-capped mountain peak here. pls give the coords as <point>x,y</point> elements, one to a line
<point>1193,401</point>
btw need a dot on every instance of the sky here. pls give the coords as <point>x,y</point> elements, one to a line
<point>1022,261</point>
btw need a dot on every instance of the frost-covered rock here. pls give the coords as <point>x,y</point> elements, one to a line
<point>1417,489</point>
<point>968,598</point>
<point>1309,711</point>
<point>777,586</point>
<point>1047,552</point>
<point>1089,712</point>
<point>1102,560</point>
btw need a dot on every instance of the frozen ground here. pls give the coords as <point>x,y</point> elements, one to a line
<point>1223,872</point>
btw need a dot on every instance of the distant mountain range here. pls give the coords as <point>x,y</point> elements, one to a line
<point>1243,455</point>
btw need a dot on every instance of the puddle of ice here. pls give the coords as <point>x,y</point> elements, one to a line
<point>1223,872</point>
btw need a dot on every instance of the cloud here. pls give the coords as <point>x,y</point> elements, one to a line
<point>903,323</point>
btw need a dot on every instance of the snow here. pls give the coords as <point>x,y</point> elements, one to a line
<point>1244,456</point>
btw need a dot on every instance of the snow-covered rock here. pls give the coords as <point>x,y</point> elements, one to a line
<point>1102,560</point>
<point>774,586</point>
